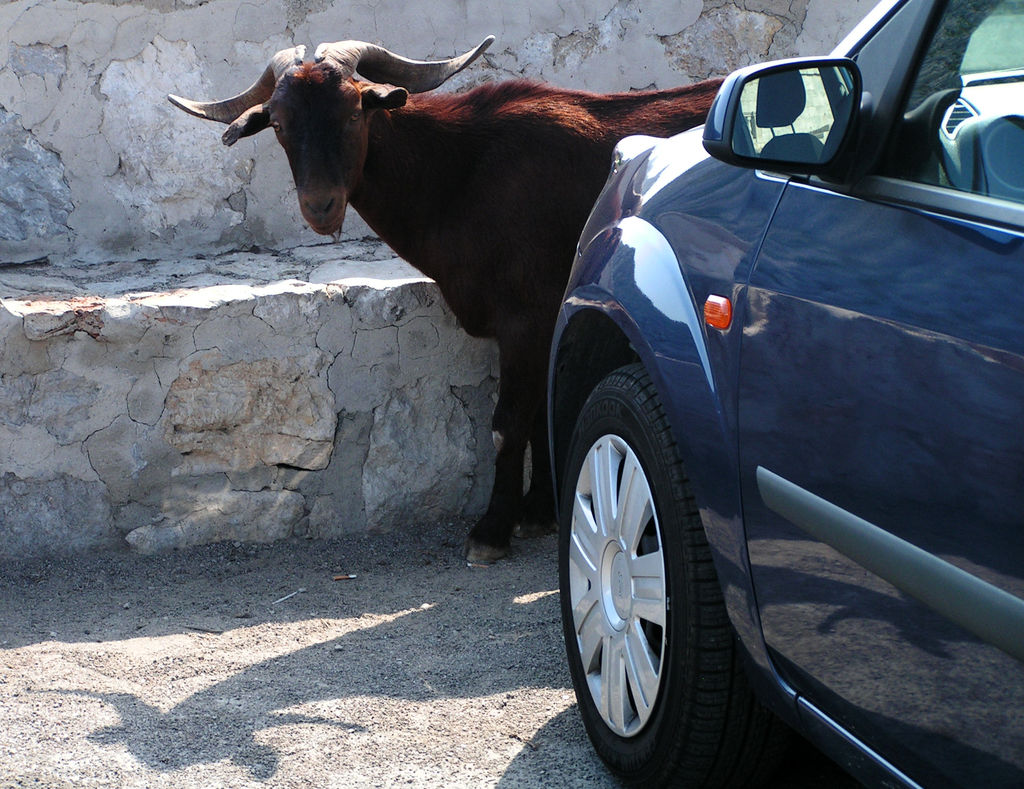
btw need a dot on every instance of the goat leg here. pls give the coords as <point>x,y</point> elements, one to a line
<point>520,395</point>
<point>489,539</point>
<point>538,516</point>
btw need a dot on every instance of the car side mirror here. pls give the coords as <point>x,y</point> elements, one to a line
<point>795,116</point>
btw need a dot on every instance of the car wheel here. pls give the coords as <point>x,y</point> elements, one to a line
<point>652,654</point>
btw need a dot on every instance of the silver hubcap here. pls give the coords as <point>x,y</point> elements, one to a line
<point>617,585</point>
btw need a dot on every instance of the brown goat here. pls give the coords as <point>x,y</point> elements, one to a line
<point>486,192</point>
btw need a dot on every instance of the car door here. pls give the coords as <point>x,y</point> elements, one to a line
<point>881,418</point>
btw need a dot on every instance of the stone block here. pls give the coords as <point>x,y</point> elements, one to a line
<point>35,200</point>
<point>57,516</point>
<point>335,498</point>
<point>241,397</point>
<point>240,415</point>
<point>262,516</point>
<point>407,478</point>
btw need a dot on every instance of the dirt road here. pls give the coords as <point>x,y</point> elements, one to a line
<point>242,665</point>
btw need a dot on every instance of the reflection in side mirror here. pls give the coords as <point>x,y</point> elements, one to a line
<point>792,115</point>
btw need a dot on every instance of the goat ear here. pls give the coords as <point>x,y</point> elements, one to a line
<point>384,97</point>
<point>255,119</point>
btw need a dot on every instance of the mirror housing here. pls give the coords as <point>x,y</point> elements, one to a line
<point>795,116</point>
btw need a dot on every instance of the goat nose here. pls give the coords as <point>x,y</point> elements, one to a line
<point>319,206</point>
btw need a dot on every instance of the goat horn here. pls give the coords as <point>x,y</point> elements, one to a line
<point>228,110</point>
<point>379,65</point>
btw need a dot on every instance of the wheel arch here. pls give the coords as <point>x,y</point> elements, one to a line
<point>599,339</point>
<point>591,346</point>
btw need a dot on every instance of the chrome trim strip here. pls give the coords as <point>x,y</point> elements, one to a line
<point>963,205</point>
<point>993,615</point>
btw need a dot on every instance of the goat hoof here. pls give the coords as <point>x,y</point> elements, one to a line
<point>531,529</point>
<point>480,553</point>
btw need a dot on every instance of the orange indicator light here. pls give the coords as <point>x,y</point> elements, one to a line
<point>718,312</point>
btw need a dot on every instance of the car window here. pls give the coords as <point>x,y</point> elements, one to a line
<point>963,124</point>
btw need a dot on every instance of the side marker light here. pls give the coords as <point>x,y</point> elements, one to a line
<point>718,312</point>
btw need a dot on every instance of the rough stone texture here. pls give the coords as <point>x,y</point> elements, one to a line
<point>99,166</point>
<point>267,412</point>
<point>34,199</point>
<point>245,516</point>
<point>163,171</point>
<point>250,396</point>
<point>62,514</point>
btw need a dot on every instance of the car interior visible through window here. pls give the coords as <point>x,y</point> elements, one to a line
<point>963,127</point>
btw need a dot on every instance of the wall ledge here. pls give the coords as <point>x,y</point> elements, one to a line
<point>247,396</point>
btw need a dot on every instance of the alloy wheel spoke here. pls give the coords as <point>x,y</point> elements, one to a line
<point>591,633</point>
<point>649,566</point>
<point>642,671</point>
<point>615,694</point>
<point>603,459</point>
<point>634,503</point>
<point>583,607</point>
<point>649,609</point>
<point>584,547</point>
<point>648,599</point>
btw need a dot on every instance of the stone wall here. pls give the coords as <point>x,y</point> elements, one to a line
<point>97,165</point>
<point>248,396</point>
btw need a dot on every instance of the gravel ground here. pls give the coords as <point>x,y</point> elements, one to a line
<point>261,665</point>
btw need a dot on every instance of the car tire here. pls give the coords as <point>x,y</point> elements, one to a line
<point>653,658</point>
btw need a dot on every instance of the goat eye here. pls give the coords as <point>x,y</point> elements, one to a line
<point>276,126</point>
<point>355,116</point>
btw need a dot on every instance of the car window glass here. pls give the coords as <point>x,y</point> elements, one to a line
<point>963,125</point>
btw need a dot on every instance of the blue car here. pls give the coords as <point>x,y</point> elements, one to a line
<point>786,410</point>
